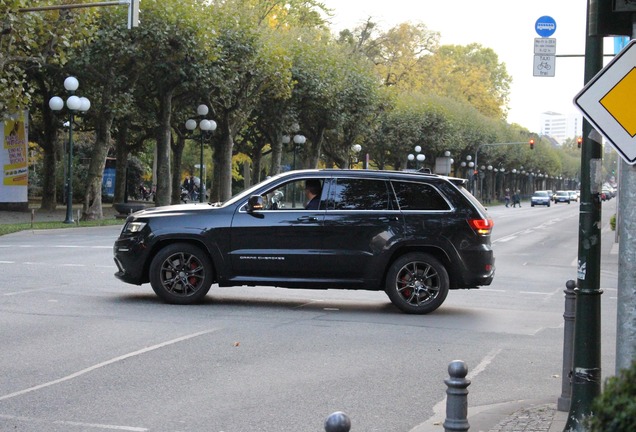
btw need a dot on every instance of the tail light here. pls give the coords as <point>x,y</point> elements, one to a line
<point>481,226</point>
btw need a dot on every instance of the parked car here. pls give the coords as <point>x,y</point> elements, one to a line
<point>416,236</point>
<point>562,196</point>
<point>541,198</point>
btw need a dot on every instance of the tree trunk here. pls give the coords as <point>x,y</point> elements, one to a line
<point>225,168</point>
<point>92,206</point>
<point>49,195</point>
<point>164,135</point>
<point>277,152</point>
<point>50,147</point>
<point>177,153</point>
<point>121,169</point>
<point>215,191</point>
<point>312,151</point>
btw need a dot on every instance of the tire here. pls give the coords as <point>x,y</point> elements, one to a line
<point>417,283</point>
<point>532,205</point>
<point>181,273</point>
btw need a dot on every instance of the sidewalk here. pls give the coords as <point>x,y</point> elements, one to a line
<point>59,214</point>
<point>515,416</point>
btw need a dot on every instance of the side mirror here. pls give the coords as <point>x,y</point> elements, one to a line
<point>254,203</point>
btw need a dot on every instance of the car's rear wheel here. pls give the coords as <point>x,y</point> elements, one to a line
<point>417,283</point>
<point>181,273</point>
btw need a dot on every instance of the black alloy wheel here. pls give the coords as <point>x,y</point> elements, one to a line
<point>181,273</point>
<point>417,283</point>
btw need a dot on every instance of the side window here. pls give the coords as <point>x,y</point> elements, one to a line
<point>418,196</point>
<point>359,194</point>
<point>295,195</point>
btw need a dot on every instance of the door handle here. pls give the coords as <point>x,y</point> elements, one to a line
<point>307,219</point>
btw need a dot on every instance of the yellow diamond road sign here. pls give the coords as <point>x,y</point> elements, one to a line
<point>608,102</point>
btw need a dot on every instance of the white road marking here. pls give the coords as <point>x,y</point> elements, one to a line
<point>104,364</point>
<point>24,291</point>
<point>72,423</point>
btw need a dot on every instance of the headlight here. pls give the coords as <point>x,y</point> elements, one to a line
<point>134,227</point>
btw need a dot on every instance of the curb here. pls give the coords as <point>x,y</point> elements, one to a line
<point>535,415</point>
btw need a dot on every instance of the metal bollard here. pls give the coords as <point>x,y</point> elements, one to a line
<point>563,403</point>
<point>457,398</point>
<point>338,422</point>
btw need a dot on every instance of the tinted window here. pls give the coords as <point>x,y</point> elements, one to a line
<point>290,195</point>
<point>359,194</point>
<point>418,196</point>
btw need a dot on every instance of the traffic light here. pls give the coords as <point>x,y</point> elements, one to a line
<point>531,144</point>
<point>610,17</point>
<point>624,6</point>
<point>579,141</point>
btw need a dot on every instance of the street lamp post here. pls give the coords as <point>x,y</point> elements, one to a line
<point>74,104</point>
<point>299,140</point>
<point>419,157</point>
<point>468,165</point>
<point>355,150</point>
<point>206,126</point>
<point>490,188</point>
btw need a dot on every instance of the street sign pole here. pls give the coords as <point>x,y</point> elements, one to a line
<point>626,289</point>
<point>586,367</point>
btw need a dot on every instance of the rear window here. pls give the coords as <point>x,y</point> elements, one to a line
<point>418,196</point>
<point>360,194</point>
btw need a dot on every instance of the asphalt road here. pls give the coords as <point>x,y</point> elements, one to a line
<point>82,351</point>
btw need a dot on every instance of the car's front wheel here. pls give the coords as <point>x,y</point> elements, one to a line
<point>417,283</point>
<point>181,273</point>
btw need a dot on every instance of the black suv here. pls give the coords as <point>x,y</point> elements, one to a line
<point>410,234</point>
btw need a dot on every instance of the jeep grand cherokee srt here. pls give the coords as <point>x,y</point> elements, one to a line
<point>413,235</point>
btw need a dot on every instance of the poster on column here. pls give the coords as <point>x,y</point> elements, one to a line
<point>13,159</point>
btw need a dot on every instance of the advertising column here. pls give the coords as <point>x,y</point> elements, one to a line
<point>14,163</point>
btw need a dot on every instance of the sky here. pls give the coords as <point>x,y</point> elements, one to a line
<point>507,27</point>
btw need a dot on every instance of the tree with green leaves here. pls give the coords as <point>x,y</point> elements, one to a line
<point>49,38</point>
<point>106,65</point>
<point>469,73</point>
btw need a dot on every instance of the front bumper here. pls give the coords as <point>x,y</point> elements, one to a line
<point>130,255</point>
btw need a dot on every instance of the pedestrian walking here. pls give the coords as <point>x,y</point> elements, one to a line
<point>516,199</point>
<point>507,198</point>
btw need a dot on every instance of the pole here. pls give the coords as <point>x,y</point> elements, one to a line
<point>74,6</point>
<point>201,188</point>
<point>626,296</point>
<point>69,173</point>
<point>586,367</point>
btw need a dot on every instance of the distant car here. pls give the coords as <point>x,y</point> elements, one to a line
<point>573,196</point>
<point>541,198</point>
<point>562,196</point>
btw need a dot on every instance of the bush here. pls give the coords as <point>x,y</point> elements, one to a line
<point>615,409</point>
<point>613,222</point>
